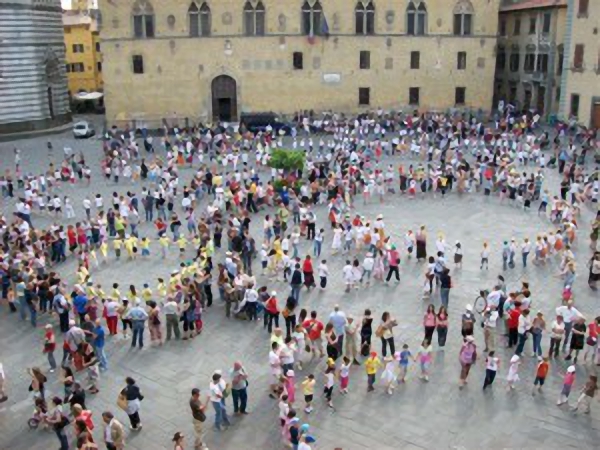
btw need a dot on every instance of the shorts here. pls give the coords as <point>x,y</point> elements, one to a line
<point>145,252</point>
<point>308,398</point>
<point>566,390</point>
<point>126,324</point>
<point>328,391</point>
<point>539,380</point>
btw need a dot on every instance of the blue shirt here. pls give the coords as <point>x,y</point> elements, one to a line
<point>80,302</point>
<point>99,339</point>
<point>404,355</point>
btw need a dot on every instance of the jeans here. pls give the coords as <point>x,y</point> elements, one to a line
<point>537,343</point>
<point>62,438</point>
<point>101,357</point>
<point>23,308</point>
<point>149,215</point>
<point>317,248</point>
<point>445,296</point>
<point>51,360</point>
<point>521,344</point>
<point>442,333</point>
<point>138,333</point>
<point>524,256</point>
<point>272,317</point>
<point>296,291</point>
<point>220,414</point>
<point>32,315</point>
<point>240,399</point>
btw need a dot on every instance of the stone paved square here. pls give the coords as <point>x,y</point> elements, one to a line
<point>434,415</point>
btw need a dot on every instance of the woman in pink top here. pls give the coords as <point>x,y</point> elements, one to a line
<point>429,322</point>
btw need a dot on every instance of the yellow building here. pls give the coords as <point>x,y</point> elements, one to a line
<point>529,56</point>
<point>581,79</point>
<point>203,59</point>
<point>83,51</point>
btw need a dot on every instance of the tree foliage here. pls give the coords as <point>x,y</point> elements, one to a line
<point>287,159</point>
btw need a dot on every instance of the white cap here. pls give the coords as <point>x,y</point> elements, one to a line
<point>469,307</point>
<point>571,369</point>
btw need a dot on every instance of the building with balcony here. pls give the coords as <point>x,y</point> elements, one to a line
<point>209,59</point>
<point>530,53</point>
<point>581,79</point>
<point>33,82</point>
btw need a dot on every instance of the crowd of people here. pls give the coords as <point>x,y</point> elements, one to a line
<point>260,272</point>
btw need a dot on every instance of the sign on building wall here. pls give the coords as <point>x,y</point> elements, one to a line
<point>332,78</point>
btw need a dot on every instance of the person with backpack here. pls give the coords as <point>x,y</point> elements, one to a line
<point>467,357</point>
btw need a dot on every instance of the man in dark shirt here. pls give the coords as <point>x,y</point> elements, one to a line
<point>198,418</point>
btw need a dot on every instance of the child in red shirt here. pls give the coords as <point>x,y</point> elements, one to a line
<point>540,374</point>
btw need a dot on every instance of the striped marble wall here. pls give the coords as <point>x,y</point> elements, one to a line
<point>33,83</point>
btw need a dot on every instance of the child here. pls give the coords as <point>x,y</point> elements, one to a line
<point>145,246</point>
<point>308,388</point>
<point>425,357</point>
<point>182,242</point>
<point>513,372</point>
<point>568,381</point>
<point>491,368</point>
<point>540,374</point>
<point>387,376</point>
<point>164,245</point>
<point>403,361</point>
<point>161,288</point>
<point>458,255</point>
<point>117,244</point>
<point>323,274</point>
<point>485,256</point>
<point>146,293</point>
<point>329,383</point>
<point>344,375</point>
<point>348,275</point>
<point>264,258</point>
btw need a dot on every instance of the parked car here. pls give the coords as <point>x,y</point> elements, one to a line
<point>255,122</point>
<point>83,130</point>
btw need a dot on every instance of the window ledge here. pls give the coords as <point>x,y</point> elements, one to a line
<point>577,69</point>
<point>582,15</point>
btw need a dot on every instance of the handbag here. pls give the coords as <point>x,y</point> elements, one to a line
<point>379,331</point>
<point>122,402</point>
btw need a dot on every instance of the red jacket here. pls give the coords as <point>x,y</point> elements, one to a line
<point>513,318</point>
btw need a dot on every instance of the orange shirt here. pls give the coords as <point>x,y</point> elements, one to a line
<point>542,369</point>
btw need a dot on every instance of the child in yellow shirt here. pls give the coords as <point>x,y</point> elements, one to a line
<point>145,246</point>
<point>181,242</point>
<point>146,293</point>
<point>164,245</point>
<point>117,245</point>
<point>161,288</point>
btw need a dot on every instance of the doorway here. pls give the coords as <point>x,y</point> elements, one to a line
<point>541,100</point>
<point>596,114</point>
<point>224,99</point>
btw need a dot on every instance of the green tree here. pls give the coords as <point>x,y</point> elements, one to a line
<point>287,159</point>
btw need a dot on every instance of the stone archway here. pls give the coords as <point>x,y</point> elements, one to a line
<point>224,98</point>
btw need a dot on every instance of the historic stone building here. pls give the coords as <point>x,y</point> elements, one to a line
<point>33,85</point>
<point>529,56</point>
<point>581,79</point>
<point>209,58</point>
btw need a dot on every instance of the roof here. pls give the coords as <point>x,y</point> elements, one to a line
<point>71,18</point>
<point>519,5</point>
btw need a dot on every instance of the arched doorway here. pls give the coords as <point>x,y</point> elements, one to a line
<point>224,98</point>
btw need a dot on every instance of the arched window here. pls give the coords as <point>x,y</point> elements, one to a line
<point>205,20</point>
<point>311,18</point>
<point>463,18</point>
<point>416,18</point>
<point>194,17</point>
<point>254,19</point>
<point>365,17</point>
<point>143,19</point>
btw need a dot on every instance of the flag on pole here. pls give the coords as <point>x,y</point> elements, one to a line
<point>311,34</point>
<point>325,27</point>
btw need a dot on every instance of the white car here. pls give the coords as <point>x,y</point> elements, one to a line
<point>83,129</point>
